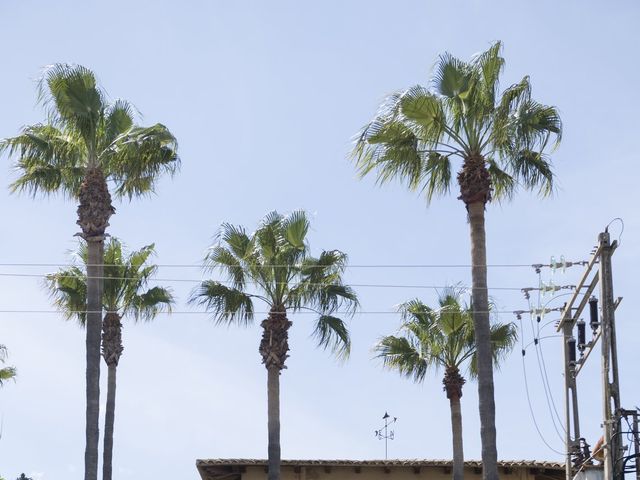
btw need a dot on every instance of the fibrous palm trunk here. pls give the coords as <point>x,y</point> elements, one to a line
<point>453,383</point>
<point>273,348</point>
<point>111,352</point>
<point>94,306</point>
<point>94,211</point>
<point>475,192</point>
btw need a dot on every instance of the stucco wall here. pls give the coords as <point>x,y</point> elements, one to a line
<point>379,473</point>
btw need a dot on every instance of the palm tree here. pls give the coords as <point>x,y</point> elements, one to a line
<point>87,144</point>
<point>499,142</point>
<point>442,338</point>
<point>125,295</point>
<point>6,373</point>
<point>274,265</point>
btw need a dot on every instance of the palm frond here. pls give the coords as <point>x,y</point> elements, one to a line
<point>532,170</point>
<point>489,65</point>
<point>442,337</point>
<point>48,160</point>
<point>325,294</point>
<point>223,258</point>
<point>328,266</point>
<point>416,310</point>
<point>125,278</point>
<point>415,134</point>
<point>228,305</point>
<point>332,333</point>
<point>118,278</point>
<point>513,96</point>
<point>320,284</point>
<point>267,236</point>
<point>73,99</point>
<point>7,373</point>
<point>118,120</point>
<point>138,157</point>
<point>140,257</point>
<point>275,259</point>
<point>400,354</point>
<point>237,239</point>
<point>392,149</point>
<point>451,315</point>
<point>503,183</point>
<point>501,132</point>
<point>147,305</point>
<point>426,110</point>
<point>335,296</point>
<point>503,339</point>
<point>68,290</point>
<point>437,174</point>
<point>452,77</point>
<point>295,227</point>
<point>536,123</point>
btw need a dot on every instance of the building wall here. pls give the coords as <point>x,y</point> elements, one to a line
<point>390,473</point>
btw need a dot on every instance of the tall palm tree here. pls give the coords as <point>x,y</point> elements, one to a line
<point>499,143</point>
<point>274,265</point>
<point>125,295</point>
<point>6,373</point>
<point>87,144</point>
<point>442,338</point>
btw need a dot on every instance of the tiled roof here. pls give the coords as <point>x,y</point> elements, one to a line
<point>378,463</point>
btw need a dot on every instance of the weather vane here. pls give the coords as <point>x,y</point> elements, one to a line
<point>384,433</point>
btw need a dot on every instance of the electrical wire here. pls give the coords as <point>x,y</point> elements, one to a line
<point>621,230</point>
<point>200,265</point>
<point>187,312</point>
<point>551,404</point>
<point>188,280</point>
<point>545,387</point>
<point>544,366</point>
<point>526,387</point>
<point>532,342</point>
<point>543,370</point>
<point>546,380</point>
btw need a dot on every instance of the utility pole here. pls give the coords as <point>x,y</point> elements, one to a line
<point>603,329</point>
<point>571,398</point>
<point>613,467</point>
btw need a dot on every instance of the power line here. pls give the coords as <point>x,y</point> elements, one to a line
<point>533,417</point>
<point>526,387</point>
<point>535,331</point>
<point>542,366</point>
<point>547,391</point>
<point>546,380</point>
<point>187,312</point>
<point>375,265</point>
<point>188,280</point>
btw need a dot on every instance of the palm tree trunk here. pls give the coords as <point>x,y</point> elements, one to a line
<point>273,422</point>
<point>480,304</point>
<point>456,431</point>
<point>94,327</point>
<point>111,351</point>
<point>94,212</point>
<point>273,348</point>
<point>453,383</point>
<point>109,419</point>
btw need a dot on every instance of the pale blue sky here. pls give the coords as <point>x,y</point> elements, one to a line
<point>264,98</point>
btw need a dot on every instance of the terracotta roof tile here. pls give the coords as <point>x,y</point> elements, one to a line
<point>373,463</point>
